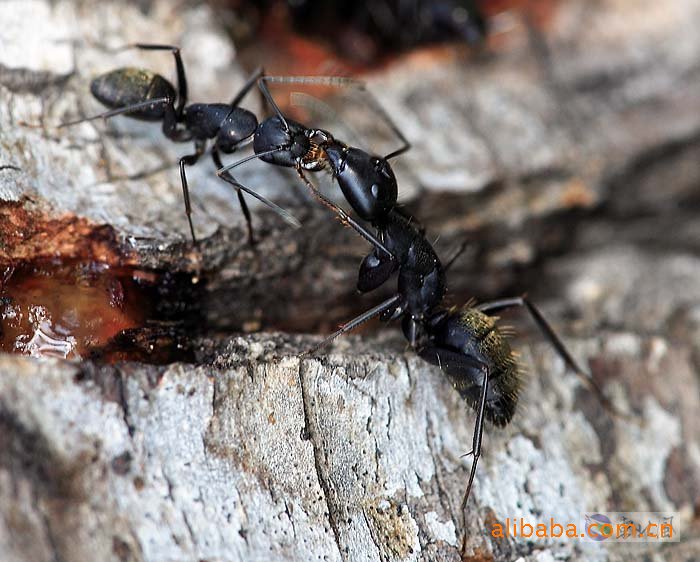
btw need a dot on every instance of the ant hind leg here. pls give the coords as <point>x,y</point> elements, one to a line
<point>119,111</point>
<point>555,341</point>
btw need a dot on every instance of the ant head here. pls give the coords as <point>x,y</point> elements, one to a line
<point>367,181</point>
<point>239,125</point>
<point>291,140</point>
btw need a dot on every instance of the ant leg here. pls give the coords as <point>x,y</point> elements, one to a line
<point>119,111</point>
<point>189,160</point>
<point>355,322</point>
<point>459,252</point>
<point>464,371</point>
<point>222,173</point>
<point>241,200</point>
<point>345,218</point>
<point>271,101</point>
<point>179,66</point>
<point>328,80</point>
<point>555,341</point>
<point>257,73</point>
<point>336,81</point>
<point>478,435</point>
<point>142,174</point>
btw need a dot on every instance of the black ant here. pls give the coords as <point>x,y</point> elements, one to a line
<point>466,342</point>
<point>148,96</point>
<point>366,180</point>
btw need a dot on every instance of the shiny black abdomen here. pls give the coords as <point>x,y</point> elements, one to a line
<point>473,334</point>
<point>127,86</point>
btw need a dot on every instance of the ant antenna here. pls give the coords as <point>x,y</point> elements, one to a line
<point>224,175</point>
<point>118,111</point>
<point>336,81</point>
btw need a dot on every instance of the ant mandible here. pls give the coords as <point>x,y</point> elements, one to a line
<point>466,342</point>
<point>145,95</point>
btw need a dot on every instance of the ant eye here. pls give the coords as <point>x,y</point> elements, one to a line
<point>375,191</point>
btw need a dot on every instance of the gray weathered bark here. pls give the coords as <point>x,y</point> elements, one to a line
<point>568,157</point>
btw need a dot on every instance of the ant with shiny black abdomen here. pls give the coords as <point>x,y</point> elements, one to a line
<point>145,95</point>
<point>466,342</point>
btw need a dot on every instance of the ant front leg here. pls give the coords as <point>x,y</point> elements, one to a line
<point>190,160</point>
<point>555,341</point>
<point>345,218</point>
<point>388,304</point>
<point>257,73</point>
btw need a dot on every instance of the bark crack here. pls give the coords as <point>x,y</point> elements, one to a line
<point>55,554</point>
<point>322,475</point>
<point>190,530</point>
<point>124,404</point>
<point>443,497</point>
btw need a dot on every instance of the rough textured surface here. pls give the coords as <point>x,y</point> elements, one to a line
<point>567,154</point>
<point>257,455</point>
